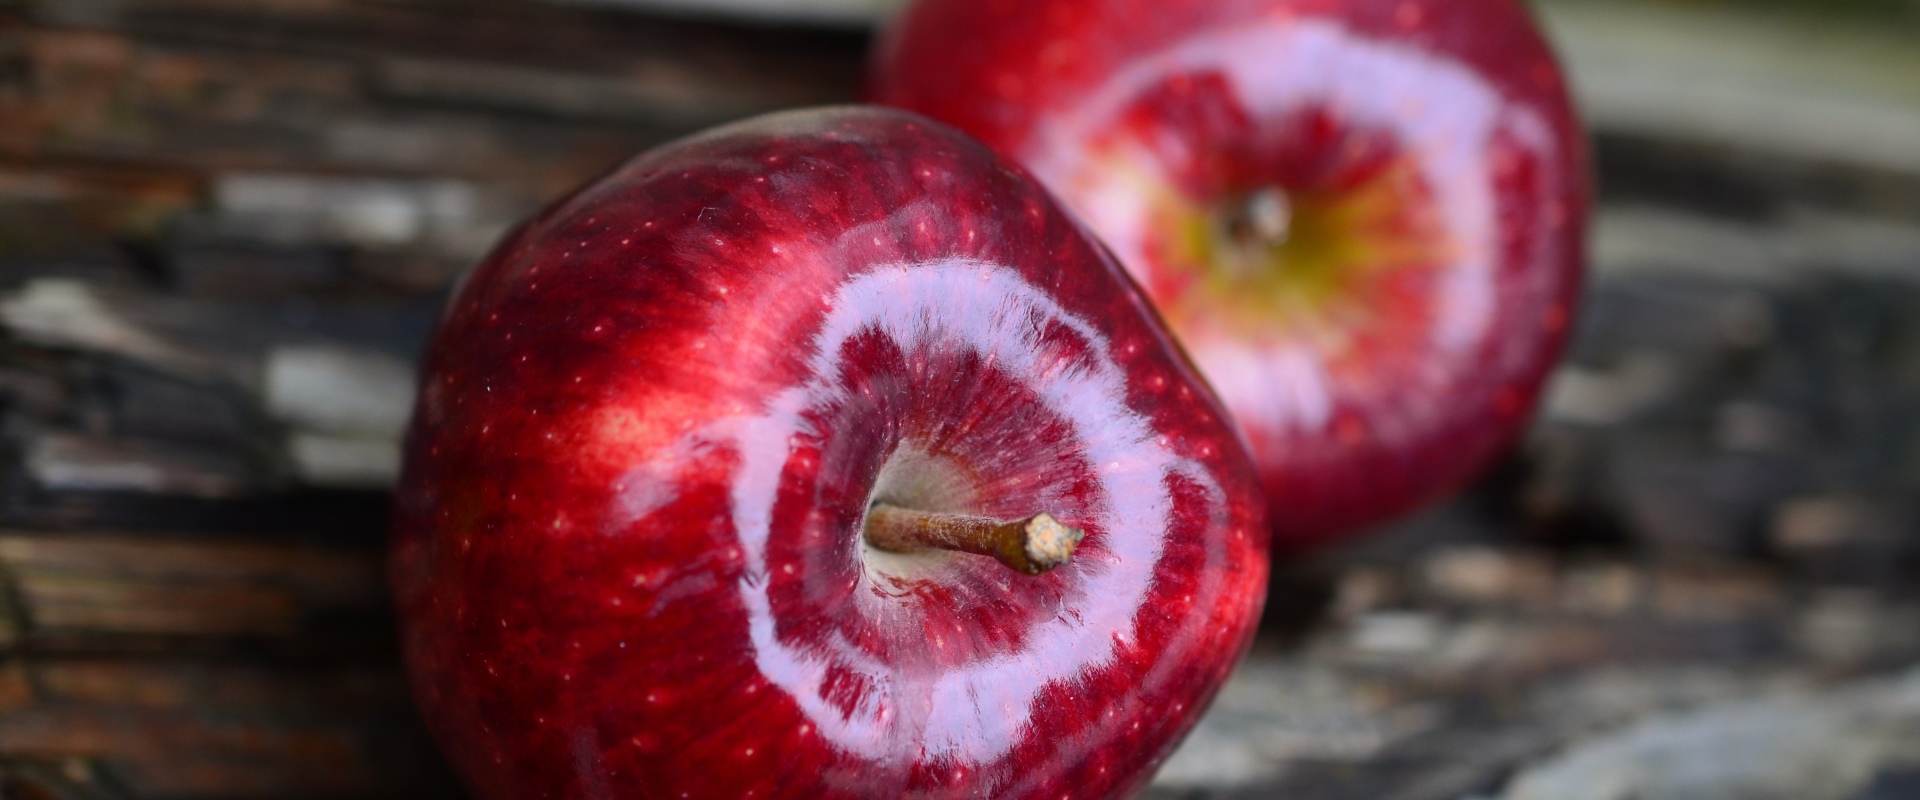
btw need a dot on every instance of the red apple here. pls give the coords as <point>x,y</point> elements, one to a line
<point>740,472</point>
<point>1363,218</point>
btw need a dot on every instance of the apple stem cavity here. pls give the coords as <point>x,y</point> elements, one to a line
<point>1031,546</point>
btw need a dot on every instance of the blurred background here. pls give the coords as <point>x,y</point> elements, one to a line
<point>226,227</point>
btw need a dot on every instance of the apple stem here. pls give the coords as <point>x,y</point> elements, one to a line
<point>1032,545</point>
<point>1258,223</point>
<point>1269,215</point>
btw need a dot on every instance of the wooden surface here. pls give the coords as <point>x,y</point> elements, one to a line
<point>226,226</point>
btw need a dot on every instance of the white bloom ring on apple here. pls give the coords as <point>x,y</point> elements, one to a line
<point>1323,62</point>
<point>939,305</point>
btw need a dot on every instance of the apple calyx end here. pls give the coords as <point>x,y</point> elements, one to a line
<point>1031,546</point>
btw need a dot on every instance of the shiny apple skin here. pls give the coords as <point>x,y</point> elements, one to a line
<point>627,559</point>
<point>1427,372</point>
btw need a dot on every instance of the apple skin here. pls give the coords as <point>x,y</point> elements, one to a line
<point>627,558</point>
<point>1442,193</point>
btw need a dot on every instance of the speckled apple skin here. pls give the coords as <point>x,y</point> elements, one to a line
<point>1118,105</point>
<point>626,559</point>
